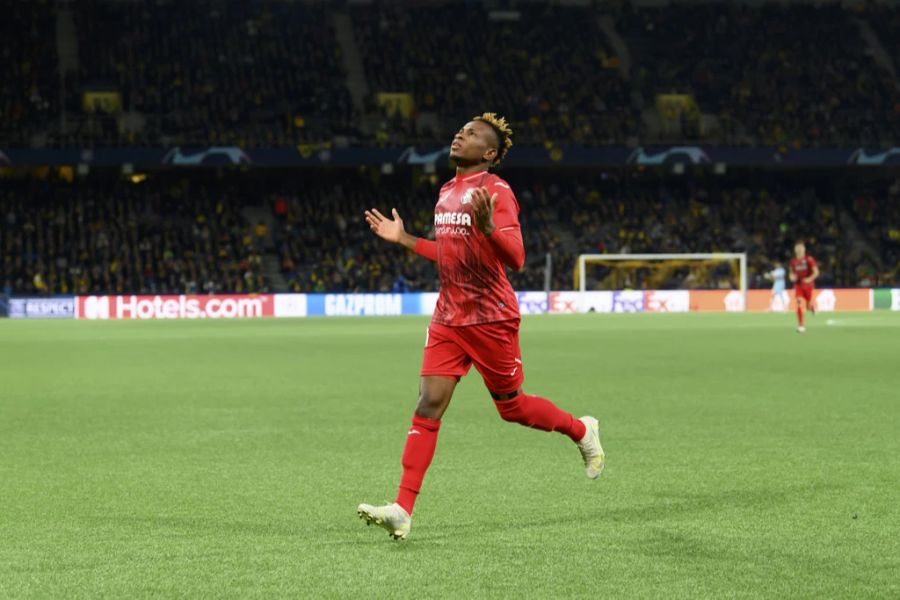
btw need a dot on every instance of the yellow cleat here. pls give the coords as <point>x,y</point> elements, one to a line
<point>391,517</point>
<point>591,450</point>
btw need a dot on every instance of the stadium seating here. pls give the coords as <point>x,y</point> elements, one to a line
<point>113,236</point>
<point>273,73</point>
<point>776,74</point>
<point>178,232</point>
<point>29,96</point>
<point>251,74</point>
<point>549,70</point>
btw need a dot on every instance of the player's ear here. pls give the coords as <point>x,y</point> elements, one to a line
<point>490,155</point>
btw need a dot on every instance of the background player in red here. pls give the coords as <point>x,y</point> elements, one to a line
<point>803,273</point>
<point>476,319</point>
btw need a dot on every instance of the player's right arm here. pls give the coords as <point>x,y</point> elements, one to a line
<point>392,230</point>
<point>815,270</point>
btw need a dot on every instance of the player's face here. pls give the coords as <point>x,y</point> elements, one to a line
<point>476,142</point>
<point>799,250</point>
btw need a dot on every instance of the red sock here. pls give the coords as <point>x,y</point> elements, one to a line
<point>800,315</point>
<point>421,441</point>
<point>540,413</point>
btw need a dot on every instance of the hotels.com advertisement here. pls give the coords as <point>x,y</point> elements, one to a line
<point>223,306</point>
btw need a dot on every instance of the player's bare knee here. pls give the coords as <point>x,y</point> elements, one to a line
<point>430,405</point>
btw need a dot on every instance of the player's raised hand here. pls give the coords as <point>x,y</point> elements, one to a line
<point>389,229</point>
<point>483,210</point>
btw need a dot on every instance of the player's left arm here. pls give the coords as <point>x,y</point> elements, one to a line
<point>496,215</point>
<point>815,271</point>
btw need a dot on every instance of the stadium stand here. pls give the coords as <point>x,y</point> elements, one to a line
<point>184,232</point>
<point>274,74</point>
<point>252,74</point>
<point>549,68</point>
<point>765,73</point>
<point>29,96</point>
<point>112,236</point>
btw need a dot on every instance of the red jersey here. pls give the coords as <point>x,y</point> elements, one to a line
<point>471,266</point>
<point>802,268</point>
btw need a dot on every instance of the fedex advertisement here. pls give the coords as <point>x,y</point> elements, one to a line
<point>667,301</point>
<point>532,303</point>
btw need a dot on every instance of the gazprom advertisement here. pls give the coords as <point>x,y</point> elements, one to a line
<point>356,305</point>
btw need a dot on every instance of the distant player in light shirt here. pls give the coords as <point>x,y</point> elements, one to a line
<point>778,276</point>
<point>804,271</point>
<point>476,320</point>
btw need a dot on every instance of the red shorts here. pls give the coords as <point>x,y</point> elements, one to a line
<point>492,347</point>
<point>804,291</point>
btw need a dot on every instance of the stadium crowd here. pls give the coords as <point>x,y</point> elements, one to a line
<point>274,73</point>
<point>249,74</point>
<point>192,233</point>
<point>558,81</point>
<point>112,236</point>
<point>765,72</point>
<point>29,96</point>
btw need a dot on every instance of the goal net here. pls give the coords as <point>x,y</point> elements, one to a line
<point>662,272</point>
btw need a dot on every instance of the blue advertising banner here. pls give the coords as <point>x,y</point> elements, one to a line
<point>58,307</point>
<point>523,156</point>
<point>346,305</point>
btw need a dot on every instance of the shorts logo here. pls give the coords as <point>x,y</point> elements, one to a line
<point>516,368</point>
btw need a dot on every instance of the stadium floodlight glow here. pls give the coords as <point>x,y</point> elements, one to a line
<point>638,260</point>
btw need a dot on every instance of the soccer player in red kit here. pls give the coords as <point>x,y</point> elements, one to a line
<point>476,319</point>
<point>803,273</point>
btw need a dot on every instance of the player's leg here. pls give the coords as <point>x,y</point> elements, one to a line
<point>435,392</point>
<point>494,348</point>
<point>798,294</point>
<point>443,363</point>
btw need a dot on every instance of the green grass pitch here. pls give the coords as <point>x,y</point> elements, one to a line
<point>226,459</point>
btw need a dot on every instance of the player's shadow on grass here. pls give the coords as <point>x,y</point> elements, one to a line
<point>659,508</point>
<point>679,504</point>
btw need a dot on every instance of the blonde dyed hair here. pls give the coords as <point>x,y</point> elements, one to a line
<point>504,133</point>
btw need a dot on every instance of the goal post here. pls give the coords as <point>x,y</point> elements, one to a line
<point>642,260</point>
